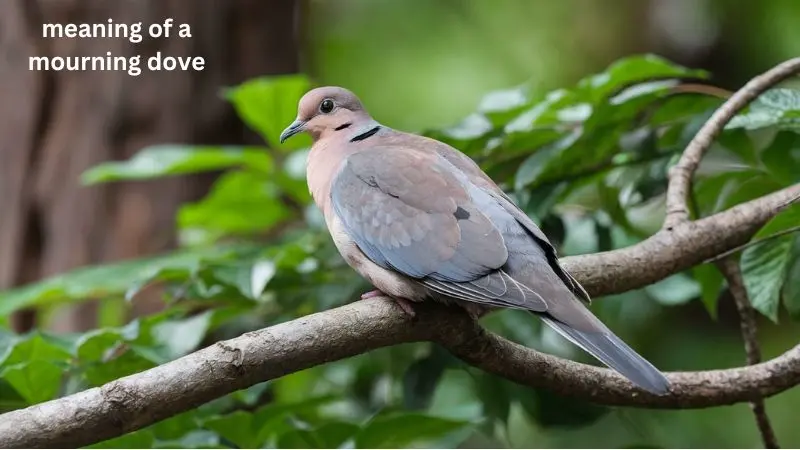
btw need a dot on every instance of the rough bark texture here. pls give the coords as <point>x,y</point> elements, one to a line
<point>135,401</point>
<point>55,125</point>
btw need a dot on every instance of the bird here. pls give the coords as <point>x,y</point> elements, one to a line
<point>421,221</point>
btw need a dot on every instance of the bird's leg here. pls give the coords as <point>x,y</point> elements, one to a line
<point>404,304</point>
<point>372,293</point>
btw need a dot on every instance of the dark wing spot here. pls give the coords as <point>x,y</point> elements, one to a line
<point>369,180</point>
<point>343,126</point>
<point>461,214</point>
<point>365,135</point>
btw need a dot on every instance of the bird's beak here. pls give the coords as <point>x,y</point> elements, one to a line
<point>296,127</point>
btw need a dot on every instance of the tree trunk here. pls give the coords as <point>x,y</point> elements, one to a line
<point>55,125</point>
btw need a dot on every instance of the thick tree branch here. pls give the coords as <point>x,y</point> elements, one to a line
<point>136,401</point>
<point>747,317</point>
<point>680,175</point>
<point>671,251</point>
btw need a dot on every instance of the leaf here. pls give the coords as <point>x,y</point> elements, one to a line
<point>420,381</point>
<point>236,427</point>
<point>181,337</point>
<point>635,68</point>
<point>249,278</point>
<point>162,160</point>
<point>36,381</point>
<point>551,410</point>
<point>239,203</point>
<point>115,279</point>
<point>269,105</point>
<point>765,265</point>
<point>10,398</point>
<point>534,168</point>
<point>404,429</point>
<point>710,281</point>
<point>791,290</point>
<point>777,107</point>
<point>764,269</point>
<point>782,157</point>
<point>674,290</point>
<point>176,426</point>
<point>299,438</point>
<point>136,439</point>
<point>260,274</point>
<point>36,347</point>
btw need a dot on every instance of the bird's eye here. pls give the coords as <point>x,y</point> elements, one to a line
<point>326,106</point>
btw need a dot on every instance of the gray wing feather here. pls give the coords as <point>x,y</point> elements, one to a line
<point>613,352</point>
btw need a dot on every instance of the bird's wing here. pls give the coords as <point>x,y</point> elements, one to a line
<point>415,213</point>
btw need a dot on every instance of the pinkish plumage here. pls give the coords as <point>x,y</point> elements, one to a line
<point>419,219</point>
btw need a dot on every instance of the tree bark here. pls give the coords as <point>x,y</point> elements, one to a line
<point>55,125</point>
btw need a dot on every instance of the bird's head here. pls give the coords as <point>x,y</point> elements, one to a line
<point>325,110</point>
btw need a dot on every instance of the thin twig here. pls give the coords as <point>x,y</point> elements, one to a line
<point>734,250</point>
<point>680,175</point>
<point>747,319</point>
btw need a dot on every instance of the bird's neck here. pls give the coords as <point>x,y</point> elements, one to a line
<point>324,162</point>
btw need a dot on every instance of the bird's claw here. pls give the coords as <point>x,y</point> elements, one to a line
<point>404,304</point>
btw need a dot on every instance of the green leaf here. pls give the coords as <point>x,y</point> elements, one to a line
<point>332,434</point>
<point>36,347</point>
<point>791,290</point>
<point>36,381</point>
<point>130,361</point>
<point>176,426</point>
<point>115,279</point>
<point>782,157</point>
<point>404,429</point>
<point>300,439</point>
<point>269,105</point>
<point>94,345</point>
<point>551,410</point>
<point>420,381</point>
<point>764,269</point>
<point>249,278</point>
<point>239,203</point>
<point>181,337</point>
<point>711,281</point>
<point>236,427</point>
<point>778,107</point>
<point>495,396</point>
<point>10,398</point>
<point>632,69</point>
<point>136,439</point>
<point>534,169</point>
<point>674,290</point>
<point>163,160</point>
<point>193,439</point>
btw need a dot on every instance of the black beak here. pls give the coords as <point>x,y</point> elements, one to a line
<point>296,127</point>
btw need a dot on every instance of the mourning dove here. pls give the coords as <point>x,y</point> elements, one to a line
<point>420,220</point>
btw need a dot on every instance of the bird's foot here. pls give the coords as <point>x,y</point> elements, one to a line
<point>372,293</point>
<point>404,304</point>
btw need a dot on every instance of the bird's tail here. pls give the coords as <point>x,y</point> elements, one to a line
<point>614,353</point>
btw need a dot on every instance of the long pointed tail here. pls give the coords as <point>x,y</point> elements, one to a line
<point>614,353</point>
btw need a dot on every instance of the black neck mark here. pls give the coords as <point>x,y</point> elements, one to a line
<point>365,134</point>
<point>343,126</point>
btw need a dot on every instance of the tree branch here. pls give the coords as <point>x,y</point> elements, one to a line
<point>747,318</point>
<point>680,175</point>
<point>136,401</point>
<point>670,251</point>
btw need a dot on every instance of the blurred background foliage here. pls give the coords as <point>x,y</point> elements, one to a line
<point>547,97</point>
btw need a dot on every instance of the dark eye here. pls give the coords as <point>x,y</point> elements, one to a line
<point>326,106</point>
